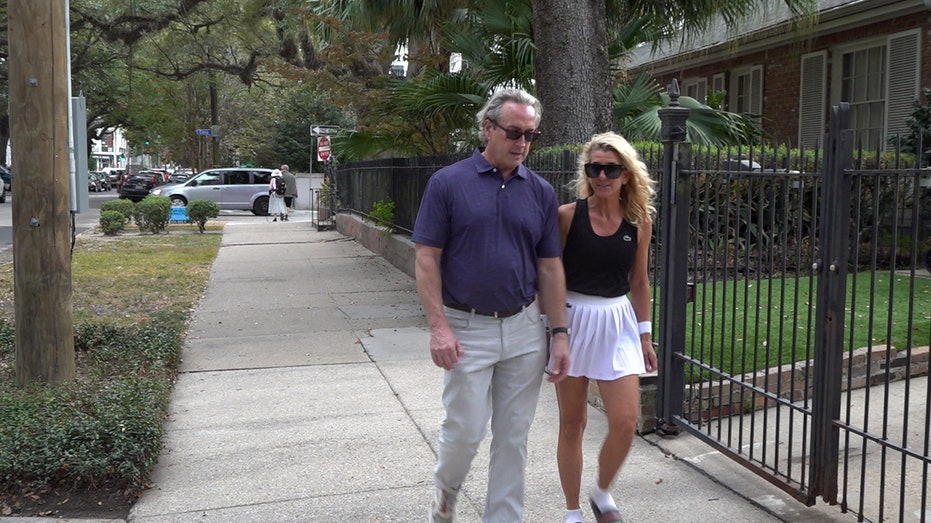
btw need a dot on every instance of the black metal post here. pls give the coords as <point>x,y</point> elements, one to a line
<point>831,271</point>
<point>673,287</point>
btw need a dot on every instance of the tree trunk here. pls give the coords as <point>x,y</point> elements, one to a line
<point>572,69</point>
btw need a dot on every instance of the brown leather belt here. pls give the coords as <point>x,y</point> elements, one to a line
<point>496,314</point>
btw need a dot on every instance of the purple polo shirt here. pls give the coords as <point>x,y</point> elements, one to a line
<point>492,232</point>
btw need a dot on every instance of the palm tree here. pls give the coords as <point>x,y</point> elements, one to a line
<point>574,65</point>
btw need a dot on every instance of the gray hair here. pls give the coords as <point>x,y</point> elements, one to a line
<point>492,108</point>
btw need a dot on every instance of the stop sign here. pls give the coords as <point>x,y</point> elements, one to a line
<point>323,148</point>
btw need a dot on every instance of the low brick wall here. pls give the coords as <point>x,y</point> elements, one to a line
<point>710,399</point>
<point>865,366</point>
<point>396,249</point>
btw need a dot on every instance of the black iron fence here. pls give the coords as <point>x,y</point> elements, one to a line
<point>804,355</point>
<point>802,277</point>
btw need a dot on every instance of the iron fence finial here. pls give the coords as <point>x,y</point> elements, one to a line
<point>674,93</point>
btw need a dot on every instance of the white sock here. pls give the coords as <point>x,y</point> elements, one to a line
<point>603,499</point>
<point>574,516</point>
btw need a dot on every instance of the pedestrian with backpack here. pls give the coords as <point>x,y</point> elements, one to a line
<point>276,191</point>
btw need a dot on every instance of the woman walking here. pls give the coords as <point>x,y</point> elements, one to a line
<point>606,238</point>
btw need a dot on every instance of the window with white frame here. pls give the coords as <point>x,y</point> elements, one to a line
<point>717,86</point>
<point>746,90</point>
<point>696,88</point>
<point>863,86</point>
<point>879,79</point>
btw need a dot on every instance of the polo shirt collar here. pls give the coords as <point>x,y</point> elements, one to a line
<point>483,167</point>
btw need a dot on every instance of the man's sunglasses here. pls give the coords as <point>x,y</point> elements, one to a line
<point>514,134</point>
<point>611,170</point>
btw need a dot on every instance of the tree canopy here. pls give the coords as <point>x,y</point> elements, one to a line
<point>262,71</point>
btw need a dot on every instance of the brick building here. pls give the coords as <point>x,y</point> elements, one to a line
<point>873,54</point>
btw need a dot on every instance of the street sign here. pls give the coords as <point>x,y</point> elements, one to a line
<point>323,130</point>
<point>323,148</point>
<point>202,132</point>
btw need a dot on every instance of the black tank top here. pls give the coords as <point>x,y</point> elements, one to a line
<point>598,265</point>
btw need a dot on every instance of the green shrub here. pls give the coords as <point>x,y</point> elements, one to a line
<point>105,428</point>
<point>152,213</point>
<point>201,210</point>
<point>919,126</point>
<point>383,214</point>
<point>124,207</point>
<point>112,222</point>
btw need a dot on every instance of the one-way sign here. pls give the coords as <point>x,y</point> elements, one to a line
<point>323,130</point>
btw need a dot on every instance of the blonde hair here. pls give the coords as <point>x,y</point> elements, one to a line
<point>637,194</point>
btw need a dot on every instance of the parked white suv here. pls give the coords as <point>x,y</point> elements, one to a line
<point>232,188</point>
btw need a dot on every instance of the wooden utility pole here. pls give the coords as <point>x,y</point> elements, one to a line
<point>39,102</point>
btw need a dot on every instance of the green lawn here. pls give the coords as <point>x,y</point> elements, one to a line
<point>743,326</point>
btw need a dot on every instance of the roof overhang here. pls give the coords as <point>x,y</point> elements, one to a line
<point>769,28</point>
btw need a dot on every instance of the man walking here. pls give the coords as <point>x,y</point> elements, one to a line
<point>487,245</point>
<point>290,192</point>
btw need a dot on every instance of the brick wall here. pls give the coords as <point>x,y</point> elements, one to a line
<point>782,70</point>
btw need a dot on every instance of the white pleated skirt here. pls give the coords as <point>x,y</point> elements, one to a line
<point>605,343</point>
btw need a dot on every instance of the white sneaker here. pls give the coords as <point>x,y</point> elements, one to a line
<point>444,506</point>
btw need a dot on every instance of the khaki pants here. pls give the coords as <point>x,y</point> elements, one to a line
<point>498,377</point>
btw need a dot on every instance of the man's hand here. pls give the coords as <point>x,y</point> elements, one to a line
<point>445,349</point>
<point>559,345</point>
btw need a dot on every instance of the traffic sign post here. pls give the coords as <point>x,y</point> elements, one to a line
<point>323,149</point>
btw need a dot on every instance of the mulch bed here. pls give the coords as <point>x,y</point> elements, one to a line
<point>94,503</point>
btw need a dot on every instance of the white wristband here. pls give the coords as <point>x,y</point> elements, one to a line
<point>645,327</point>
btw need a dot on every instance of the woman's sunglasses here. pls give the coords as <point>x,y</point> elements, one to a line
<point>611,170</point>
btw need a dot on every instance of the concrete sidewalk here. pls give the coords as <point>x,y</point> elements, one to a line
<point>307,394</point>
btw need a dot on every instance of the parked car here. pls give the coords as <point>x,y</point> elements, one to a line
<point>7,176</point>
<point>137,186</point>
<point>181,175</point>
<point>114,175</point>
<point>93,183</point>
<point>97,182</point>
<point>2,193</point>
<point>234,188</point>
<point>166,176</point>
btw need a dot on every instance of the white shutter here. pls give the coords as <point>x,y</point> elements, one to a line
<point>902,77</point>
<point>701,90</point>
<point>812,99</point>
<point>756,90</point>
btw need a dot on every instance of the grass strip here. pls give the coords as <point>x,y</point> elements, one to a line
<point>132,296</point>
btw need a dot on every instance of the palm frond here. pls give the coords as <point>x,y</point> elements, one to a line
<point>636,112</point>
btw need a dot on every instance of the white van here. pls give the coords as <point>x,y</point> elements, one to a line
<point>233,188</point>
